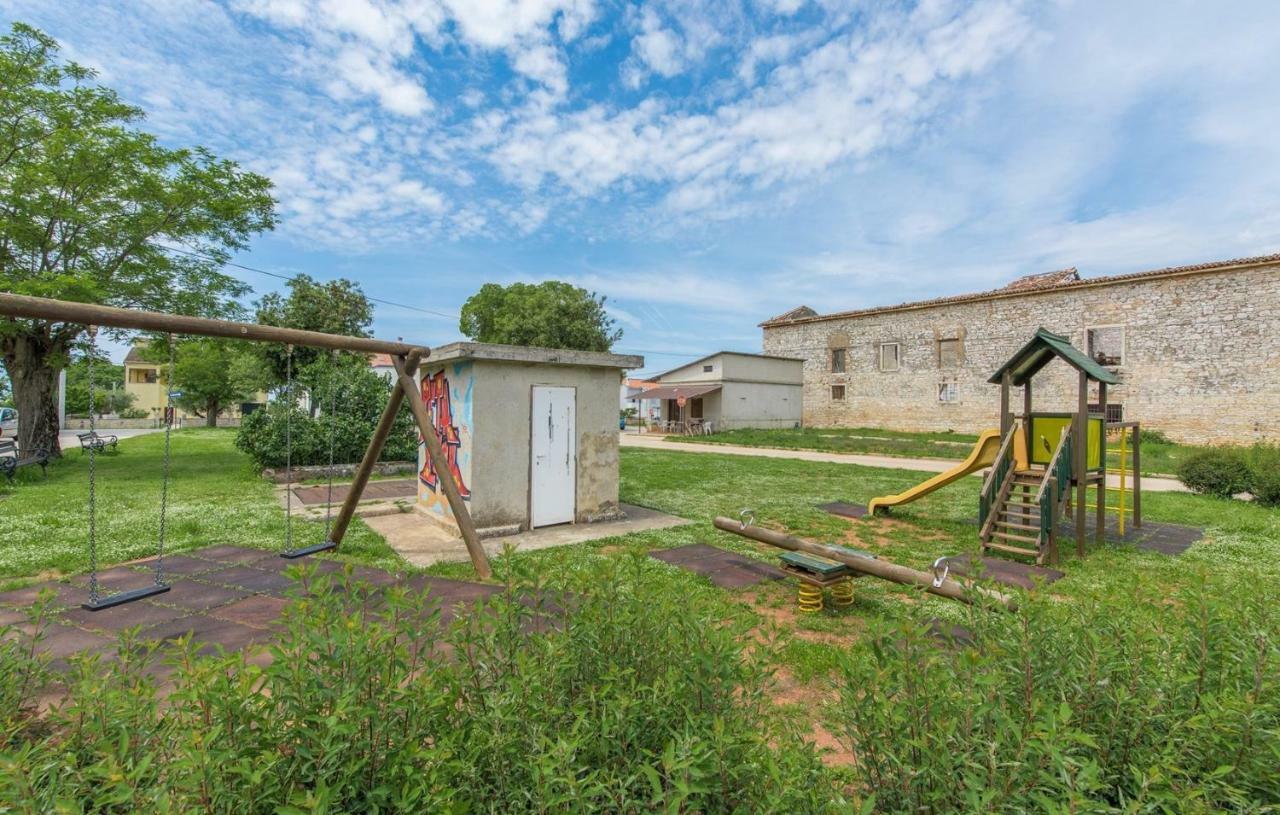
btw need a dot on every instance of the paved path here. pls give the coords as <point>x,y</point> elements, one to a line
<point>924,465</point>
<point>69,441</point>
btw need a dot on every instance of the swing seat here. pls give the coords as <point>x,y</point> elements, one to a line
<point>120,598</point>
<point>293,554</point>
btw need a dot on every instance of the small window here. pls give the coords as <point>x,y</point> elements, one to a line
<point>837,360</point>
<point>706,369</point>
<point>1115,411</point>
<point>837,393</point>
<point>949,352</point>
<point>948,392</point>
<point>1106,344</point>
<point>889,356</point>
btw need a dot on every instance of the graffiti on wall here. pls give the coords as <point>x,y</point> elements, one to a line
<point>450,412</point>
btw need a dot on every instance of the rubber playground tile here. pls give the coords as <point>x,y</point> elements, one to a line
<point>843,509</point>
<point>450,592</point>
<point>209,633</point>
<point>62,641</point>
<point>195,596</point>
<point>1005,572</point>
<point>117,578</point>
<point>225,553</point>
<point>259,611</point>
<point>724,569</point>
<point>183,565</point>
<point>65,595</point>
<point>119,618</point>
<point>256,581</point>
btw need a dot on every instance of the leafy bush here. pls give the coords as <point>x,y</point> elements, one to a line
<point>361,396</point>
<point>630,702</point>
<point>1264,473</point>
<point>1149,436</point>
<point>133,413</point>
<point>1155,704</point>
<point>1220,471</point>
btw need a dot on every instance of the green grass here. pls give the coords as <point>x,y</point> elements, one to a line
<point>1157,458</point>
<point>214,497</point>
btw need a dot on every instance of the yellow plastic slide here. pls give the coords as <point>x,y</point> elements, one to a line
<point>983,455</point>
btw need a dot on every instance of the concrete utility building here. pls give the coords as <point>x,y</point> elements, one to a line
<point>529,434</point>
<point>1196,348</point>
<point>730,390</point>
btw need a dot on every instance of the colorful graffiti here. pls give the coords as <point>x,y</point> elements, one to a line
<point>439,402</point>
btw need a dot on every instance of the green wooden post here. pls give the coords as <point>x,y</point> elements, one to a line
<point>1081,467</point>
<point>1101,517</point>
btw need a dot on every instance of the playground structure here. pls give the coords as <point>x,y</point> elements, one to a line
<point>860,563</point>
<point>406,358</point>
<point>1041,466</point>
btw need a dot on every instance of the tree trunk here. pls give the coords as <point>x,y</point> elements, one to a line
<point>30,358</point>
<point>211,411</point>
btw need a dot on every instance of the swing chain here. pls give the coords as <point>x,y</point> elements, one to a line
<point>288,449</point>
<point>333,416</point>
<point>93,436</point>
<point>169,416</point>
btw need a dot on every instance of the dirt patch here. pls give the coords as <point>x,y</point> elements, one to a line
<point>788,692</point>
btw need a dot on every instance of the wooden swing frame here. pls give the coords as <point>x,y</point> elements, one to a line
<point>405,356</point>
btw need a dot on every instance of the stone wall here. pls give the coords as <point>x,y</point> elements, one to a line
<point>1201,356</point>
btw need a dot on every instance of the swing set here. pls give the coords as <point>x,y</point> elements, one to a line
<point>406,358</point>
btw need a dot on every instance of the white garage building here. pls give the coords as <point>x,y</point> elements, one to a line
<point>729,390</point>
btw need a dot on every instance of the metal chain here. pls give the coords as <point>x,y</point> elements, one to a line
<point>169,416</point>
<point>333,427</point>
<point>288,450</point>
<point>93,444</point>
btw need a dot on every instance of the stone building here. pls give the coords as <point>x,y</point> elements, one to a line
<point>1197,349</point>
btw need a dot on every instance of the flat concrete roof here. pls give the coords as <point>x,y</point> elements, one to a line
<point>531,356</point>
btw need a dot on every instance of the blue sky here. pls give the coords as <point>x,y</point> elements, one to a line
<point>709,164</point>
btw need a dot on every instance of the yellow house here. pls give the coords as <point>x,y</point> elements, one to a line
<point>146,381</point>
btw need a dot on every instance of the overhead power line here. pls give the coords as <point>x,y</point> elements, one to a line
<point>279,276</point>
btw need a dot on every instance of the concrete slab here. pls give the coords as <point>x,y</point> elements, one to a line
<point>422,542</point>
<point>373,491</point>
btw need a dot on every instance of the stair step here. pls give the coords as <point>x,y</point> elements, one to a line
<point>1011,525</point>
<point>1017,550</point>
<point>1011,537</point>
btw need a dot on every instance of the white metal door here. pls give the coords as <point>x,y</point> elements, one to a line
<point>555,456</point>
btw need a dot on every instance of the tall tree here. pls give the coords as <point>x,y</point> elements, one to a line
<point>336,307</point>
<point>88,203</point>
<point>211,374</point>
<point>549,315</point>
<point>108,380</point>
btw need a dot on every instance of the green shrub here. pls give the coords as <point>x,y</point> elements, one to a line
<point>1264,473</point>
<point>1221,471</point>
<point>133,413</point>
<point>1150,436</point>
<point>630,702</point>
<point>1142,704</point>
<point>361,397</point>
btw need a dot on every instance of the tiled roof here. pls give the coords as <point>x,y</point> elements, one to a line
<point>1044,280</point>
<point>380,361</point>
<point>135,357</point>
<point>1020,290</point>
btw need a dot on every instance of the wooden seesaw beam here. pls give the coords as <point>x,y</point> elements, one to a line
<point>948,588</point>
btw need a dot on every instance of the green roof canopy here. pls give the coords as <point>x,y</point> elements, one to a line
<point>1044,346</point>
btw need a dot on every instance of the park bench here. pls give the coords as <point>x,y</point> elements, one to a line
<point>98,441</point>
<point>11,459</point>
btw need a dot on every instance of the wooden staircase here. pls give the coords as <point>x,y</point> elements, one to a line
<point>1019,507</point>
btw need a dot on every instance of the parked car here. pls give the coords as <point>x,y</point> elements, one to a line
<point>8,422</point>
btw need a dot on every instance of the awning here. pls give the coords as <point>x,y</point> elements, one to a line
<point>676,391</point>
